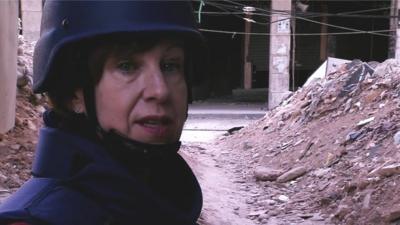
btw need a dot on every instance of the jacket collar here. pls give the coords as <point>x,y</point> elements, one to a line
<point>87,166</point>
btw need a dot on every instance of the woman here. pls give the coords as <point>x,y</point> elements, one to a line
<point>117,75</point>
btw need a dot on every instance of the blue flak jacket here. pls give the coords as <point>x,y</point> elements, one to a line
<point>76,181</point>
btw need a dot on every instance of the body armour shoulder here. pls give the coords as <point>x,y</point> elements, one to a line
<point>77,182</point>
<point>38,202</point>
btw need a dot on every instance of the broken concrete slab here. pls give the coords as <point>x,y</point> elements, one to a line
<point>292,174</point>
<point>267,174</point>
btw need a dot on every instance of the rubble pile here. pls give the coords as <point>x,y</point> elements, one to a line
<point>24,62</point>
<point>329,152</point>
<point>17,145</point>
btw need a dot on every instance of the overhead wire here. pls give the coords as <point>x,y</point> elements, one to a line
<point>353,30</point>
<point>291,34</point>
<point>362,11</point>
<point>235,14</point>
<point>348,13</point>
<point>307,14</point>
<point>286,12</point>
<point>219,7</point>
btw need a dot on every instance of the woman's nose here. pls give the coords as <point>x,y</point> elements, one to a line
<point>156,87</point>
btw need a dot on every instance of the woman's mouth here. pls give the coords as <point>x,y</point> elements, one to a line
<point>155,126</point>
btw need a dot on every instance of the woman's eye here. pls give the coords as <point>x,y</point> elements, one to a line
<point>172,67</point>
<point>126,67</point>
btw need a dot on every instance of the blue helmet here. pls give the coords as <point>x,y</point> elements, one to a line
<point>66,22</point>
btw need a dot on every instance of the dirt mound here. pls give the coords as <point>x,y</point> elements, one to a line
<point>17,146</point>
<point>329,152</point>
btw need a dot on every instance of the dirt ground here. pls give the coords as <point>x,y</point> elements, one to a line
<point>329,154</point>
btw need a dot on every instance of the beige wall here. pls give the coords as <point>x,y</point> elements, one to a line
<point>31,16</point>
<point>8,63</point>
<point>396,3</point>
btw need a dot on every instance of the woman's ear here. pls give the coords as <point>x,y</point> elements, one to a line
<point>78,102</point>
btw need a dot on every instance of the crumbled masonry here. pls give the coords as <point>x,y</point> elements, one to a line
<point>340,136</point>
<point>328,154</point>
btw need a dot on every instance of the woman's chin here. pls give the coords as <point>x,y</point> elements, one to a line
<point>154,140</point>
<point>154,136</point>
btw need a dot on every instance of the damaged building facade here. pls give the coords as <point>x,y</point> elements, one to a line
<point>272,47</point>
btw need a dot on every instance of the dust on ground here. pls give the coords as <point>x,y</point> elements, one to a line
<point>329,154</point>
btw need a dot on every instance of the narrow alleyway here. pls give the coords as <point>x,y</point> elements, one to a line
<point>224,196</point>
<point>230,198</point>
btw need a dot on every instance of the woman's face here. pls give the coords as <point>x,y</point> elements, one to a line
<point>143,95</point>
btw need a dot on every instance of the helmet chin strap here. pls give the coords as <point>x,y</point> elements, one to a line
<point>113,139</point>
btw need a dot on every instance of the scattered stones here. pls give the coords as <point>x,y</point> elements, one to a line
<point>393,214</point>
<point>31,125</point>
<point>321,172</point>
<point>367,200</point>
<point>266,174</point>
<point>270,202</point>
<point>396,138</point>
<point>292,174</point>
<point>40,109</point>
<point>386,170</point>
<point>15,147</point>
<point>317,217</point>
<point>353,114</point>
<point>283,198</point>
<point>24,71</point>
<point>320,105</point>
<point>247,146</point>
<point>366,121</point>
<point>353,135</point>
<point>305,215</point>
<point>342,211</point>
<point>257,213</point>
<point>250,201</point>
<point>306,149</point>
<point>263,217</point>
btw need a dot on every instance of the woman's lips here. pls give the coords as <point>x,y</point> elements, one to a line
<point>155,125</point>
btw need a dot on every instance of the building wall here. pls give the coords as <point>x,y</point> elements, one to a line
<point>31,13</point>
<point>8,63</point>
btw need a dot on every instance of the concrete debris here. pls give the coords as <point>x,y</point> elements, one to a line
<point>24,66</point>
<point>317,217</point>
<point>15,147</point>
<point>367,201</point>
<point>31,125</point>
<point>353,135</point>
<point>396,138</point>
<point>386,170</point>
<point>266,174</point>
<point>345,129</point>
<point>321,172</point>
<point>366,121</point>
<point>234,129</point>
<point>257,213</point>
<point>306,149</point>
<point>40,109</point>
<point>342,211</point>
<point>393,214</point>
<point>269,202</point>
<point>292,174</point>
<point>283,198</point>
